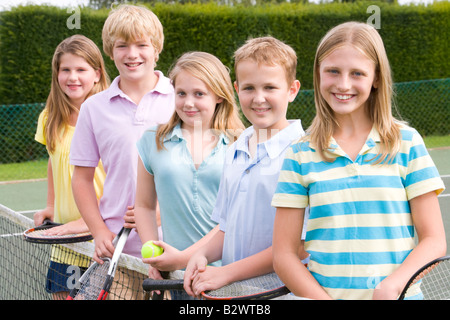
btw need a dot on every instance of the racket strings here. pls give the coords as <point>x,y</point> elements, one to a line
<point>42,234</point>
<point>248,287</point>
<point>435,285</point>
<point>92,283</point>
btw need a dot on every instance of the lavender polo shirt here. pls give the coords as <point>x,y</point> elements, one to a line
<point>108,127</point>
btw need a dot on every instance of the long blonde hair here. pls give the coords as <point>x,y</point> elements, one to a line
<point>380,102</point>
<point>216,76</point>
<point>59,107</point>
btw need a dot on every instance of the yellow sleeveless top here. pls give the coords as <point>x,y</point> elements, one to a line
<point>65,208</point>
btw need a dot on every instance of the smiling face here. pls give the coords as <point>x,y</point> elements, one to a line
<point>135,60</point>
<point>264,94</point>
<point>346,80</point>
<point>76,77</point>
<point>195,103</point>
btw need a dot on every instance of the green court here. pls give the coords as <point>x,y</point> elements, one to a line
<point>24,196</point>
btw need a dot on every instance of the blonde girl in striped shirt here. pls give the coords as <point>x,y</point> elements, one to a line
<point>367,177</point>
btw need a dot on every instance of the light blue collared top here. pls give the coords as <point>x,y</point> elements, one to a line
<point>186,195</point>
<point>243,207</point>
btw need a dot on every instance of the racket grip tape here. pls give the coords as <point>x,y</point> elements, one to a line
<point>72,294</point>
<point>154,284</point>
<point>47,224</point>
<point>104,293</point>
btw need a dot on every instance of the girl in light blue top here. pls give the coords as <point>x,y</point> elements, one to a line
<point>181,162</point>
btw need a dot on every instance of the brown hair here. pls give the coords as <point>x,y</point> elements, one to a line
<point>270,51</point>
<point>59,107</point>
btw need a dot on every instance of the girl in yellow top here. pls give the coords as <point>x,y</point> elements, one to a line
<point>78,71</point>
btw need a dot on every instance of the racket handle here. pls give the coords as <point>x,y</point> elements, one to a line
<point>72,294</point>
<point>153,284</point>
<point>102,296</point>
<point>46,224</point>
<point>107,286</point>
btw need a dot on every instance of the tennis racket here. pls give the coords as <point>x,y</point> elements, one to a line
<point>38,235</point>
<point>432,281</point>
<point>96,281</point>
<point>263,287</point>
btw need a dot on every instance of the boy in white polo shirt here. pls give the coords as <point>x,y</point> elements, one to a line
<point>266,83</point>
<point>111,122</point>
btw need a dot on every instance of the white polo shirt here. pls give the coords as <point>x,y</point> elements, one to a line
<point>246,189</point>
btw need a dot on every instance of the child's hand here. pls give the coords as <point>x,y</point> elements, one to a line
<point>171,259</point>
<point>40,216</point>
<point>103,245</point>
<point>130,223</point>
<point>153,273</point>
<point>195,265</point>
<point>210,279</point>
<point>77,226</point>
<point>386,290</point>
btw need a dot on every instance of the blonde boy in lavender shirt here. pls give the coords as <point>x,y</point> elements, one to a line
<point>111,122</point>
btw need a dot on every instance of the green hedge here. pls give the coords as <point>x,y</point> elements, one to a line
<point>416,37</point>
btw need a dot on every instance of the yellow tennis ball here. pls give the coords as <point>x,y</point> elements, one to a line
<point>150,250</point>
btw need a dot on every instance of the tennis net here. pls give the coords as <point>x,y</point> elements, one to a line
<point>24,265</point>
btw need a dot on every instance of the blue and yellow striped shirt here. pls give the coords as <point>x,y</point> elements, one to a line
<point>360,227</point>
